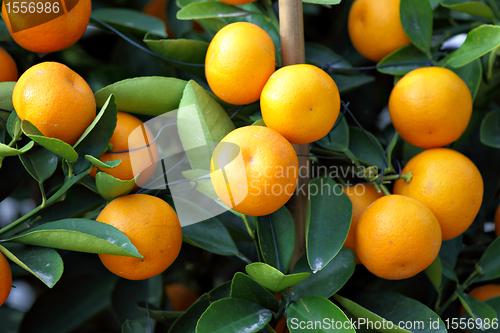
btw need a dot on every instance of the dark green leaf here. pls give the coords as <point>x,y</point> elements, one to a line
<point>273,279</point>
<point>11,319</point>
<point>321,55</point>
<point>312,309</point>
<point>40,163</point>
<point>57,146</point>
<point>391,306</point>
<point>493,302</point>
<point>433,272</point>
<point>346,83</point>
<point>474,8</point>
<point>71,303</point>
<point>14,125</point>
<point>477,309</point>
<point>490,129</point>
<point>366,147</point>
<point>186,50</point>
<point>448,271</point>
<point>490,262</point>
<point>44,263</point>
<point>130,326</point>
<point>327,281</point>
<point>144,95</point>
<point>159,315</point>
<point>200,116</point>
<point>329,213</point>
<point>79,235</point>
<point>472,74</point>
<point>186,323</point>
<point>210,235</point>
<point>96,137</point>
<point>110,187</point>
<point>416,18</point>
<point>402,61</point>
<point>6,89</point>
<point>101,164</point>
<point>239,315</point>
<point>245,287</point>
<point>480,41</point>
<point>131,20</point>
<point>434,3</point>
<point>276,234</point>
<point>338,138</point>
<point>210,9</point>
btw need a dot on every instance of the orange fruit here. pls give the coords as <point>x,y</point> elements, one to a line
<point>239,60</point>
<point>237,2</point>
<point>180,296</point>
<point>153,228</point>
<point>56,100</point>
<point>54,35</point>
<point>254,170</point>
<point>430,107</point>
<point>449,184</point>
<point>361,196</point>
<point>5,279</point>
<point>301,102</point>
<point>482,293</point>
<point>497,221</point>
<point>375,28</point>
<point>130,133</point>
<point>397,237</point>
<point>281,326</point>
<point>8,67</point>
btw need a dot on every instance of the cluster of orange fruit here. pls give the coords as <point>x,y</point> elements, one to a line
<point>61,105</point>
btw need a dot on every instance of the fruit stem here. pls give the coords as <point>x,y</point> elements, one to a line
<point>460,288</point>
<point>44,196</point>
<point>250,231</point>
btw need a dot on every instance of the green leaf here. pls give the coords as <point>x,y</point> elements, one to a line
<point>210,235</point>
<point>472,74</point>
<point>159,315</point>
<point>448,271</point>
<point>110,187</point>
<point>433,272</point>
<point>79,235</point>
<point>14,125</point>
<point>128,20</point>
<point>71,303</point>
<point>130,326</point>
<point>476,309</point>
<point>210,9</point>
<point>319,55</point>
<point>276,235</point>
<point>479,41</point>
<point>416,18</point>
<point>327,222</point>
<point>101,164</point>
<point>96,137</point>
<point>490,262</point>
<point>57,146</point>
<point>338,138</point>
<point>186,50</point>
<point>273,279</point>
<point>201,123</point>
<point>44,263</point>
<point>144,95</point>
<point>323,2</point>
<point>9,151</point>
<point>494,303</point>
<point>327,281</point>
<point>474,8</point>
<point>434,3</point>
<point>313,309</point>
<point>40,163</point>
<point>391,306</point>
<point>6,89</point>
<point>245,287</point>
<point>239,315</point>
<point>259,122</point>
<point>366,147</point>
<point>402,61</point>
<point>346,83</point>
<point>490,129</point>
